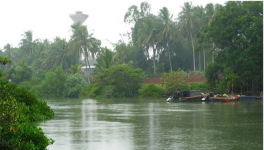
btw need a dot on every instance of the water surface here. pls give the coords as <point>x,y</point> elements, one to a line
<point>130,124</point>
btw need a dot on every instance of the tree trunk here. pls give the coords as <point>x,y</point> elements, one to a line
<point>204,57</point>
<point>154,57</point>
<point>200,63</point>
<point>193,52</point>
<point>169,58</point>
<point>213,54</point>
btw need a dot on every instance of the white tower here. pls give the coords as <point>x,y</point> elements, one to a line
<point>78,17</point>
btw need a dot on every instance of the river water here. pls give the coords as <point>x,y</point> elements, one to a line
<point>133,124</point>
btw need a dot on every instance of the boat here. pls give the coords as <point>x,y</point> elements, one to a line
<point>212,98</point>
<point>230,98</point>
<point>248,96</point>
<point>220,97</point>
<point>186,96</point>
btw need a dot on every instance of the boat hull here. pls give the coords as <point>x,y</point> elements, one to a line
<point>229,100</point>
<point>191,99</point>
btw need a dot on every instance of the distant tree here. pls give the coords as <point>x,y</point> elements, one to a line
<point>134,14</point>
<point>121,80</point>
<point>148,36</point>
<point>73,85</point>
<point>237,29</point>
<point>186,16</point>
<point>28,45</point>
<point>174,81</point>
<point>53,84</point>
<point>106,59</point>
<point>168,31</point>
<point>19,73</point>
<point>84,44</point>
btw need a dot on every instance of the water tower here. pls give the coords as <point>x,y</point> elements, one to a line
<point>78,17</point>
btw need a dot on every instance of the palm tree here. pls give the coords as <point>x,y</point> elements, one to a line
<point>106,59</point>
<point>27,44</point>
<point>148,36</point>
<point>56,55</point>
<point>199,22</point>
<point>186,16</point>
<point>79,39</point>
<point>8,53</point>
<point>168,32</point>
<point>84,43</point>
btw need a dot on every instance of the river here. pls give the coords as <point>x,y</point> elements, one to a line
<point>138,124</point>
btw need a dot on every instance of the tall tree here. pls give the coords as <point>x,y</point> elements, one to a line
<point>237,29</point>
<point>106,59</point>
<point>8,52</point>
<point>168,31</point>
<point>148,36</point>
<point>186,16</point>
<point>27,44</point>
<point>84,44</point>
<point>133,14</point>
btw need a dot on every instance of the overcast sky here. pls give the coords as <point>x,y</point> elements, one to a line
<point>50,18</point>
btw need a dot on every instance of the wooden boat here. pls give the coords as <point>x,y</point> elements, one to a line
<point>220,98</point>
<point>210,97</point>
<point>215,99</point>
<point>186,96</point>
<point>191,98</point>
<point>230,99</point>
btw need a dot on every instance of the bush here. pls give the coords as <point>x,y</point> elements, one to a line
<point>202,86</point>
<point>151,90</point>
<point>18,108</point>
<point>73,85</point>
<point>121,81</point>
<point>53,84</point>
<point>175,81</point>
<point>91,90</point>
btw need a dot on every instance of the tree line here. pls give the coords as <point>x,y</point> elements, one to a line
<point>224,41</point>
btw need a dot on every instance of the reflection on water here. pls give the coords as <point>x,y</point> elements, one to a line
<point>154,125</point>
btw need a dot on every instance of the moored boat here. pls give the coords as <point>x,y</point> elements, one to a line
<point>230,98</point>
<point>186,96</point>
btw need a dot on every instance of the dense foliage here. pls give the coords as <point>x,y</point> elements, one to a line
<point>18,109</point>
<point>120,81</point>
<point>225,40</point>
<point>151,91</point>
<point>237,30</point>
<point>175,81</point>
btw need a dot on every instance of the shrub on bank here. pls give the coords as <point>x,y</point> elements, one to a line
<point>18,108</point>
<point>202,86</point>
<point>151,91</point>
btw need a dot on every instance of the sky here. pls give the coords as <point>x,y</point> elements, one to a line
<point>48,19</point>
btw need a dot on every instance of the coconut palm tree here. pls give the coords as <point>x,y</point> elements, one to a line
<point>57,55</point>
<point>27,44</point>
<point>148,36</point>
<point>106,59</point>
<point>84,44</point>
<point>186,16</point>
<point>168,31</point>
<point>9,54</point>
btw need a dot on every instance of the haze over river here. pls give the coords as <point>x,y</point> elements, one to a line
<point>133,124</point>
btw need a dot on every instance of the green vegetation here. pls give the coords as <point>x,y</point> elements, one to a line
<point>18,109</point>
<point>120,81</point>
<point>151,91</point>
<point>224,42</point>
<point>175,81</point>
<point>237,31</point>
